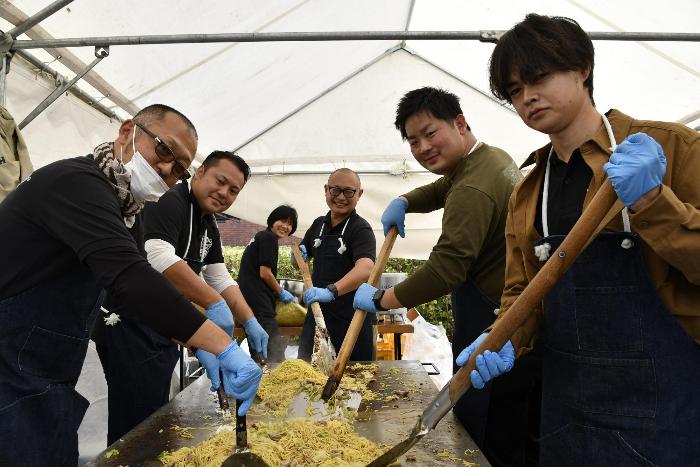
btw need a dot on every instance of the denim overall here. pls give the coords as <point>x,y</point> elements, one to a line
<point>332,260</point>
<point>621,377</point>
<point>44,333</point>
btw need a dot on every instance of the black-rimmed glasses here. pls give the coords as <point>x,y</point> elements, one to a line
<point>347,192</point>
<point>166,154</point>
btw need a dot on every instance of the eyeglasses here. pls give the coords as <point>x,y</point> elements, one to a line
<point>166,154</point>
<point>336,190</point>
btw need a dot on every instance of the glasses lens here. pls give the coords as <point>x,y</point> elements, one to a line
<point>164,153</point>
<point>348,192</point>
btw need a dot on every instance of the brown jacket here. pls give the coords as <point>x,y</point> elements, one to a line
<point>669,226</point>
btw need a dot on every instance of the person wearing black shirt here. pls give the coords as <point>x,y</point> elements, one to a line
<point>65,239</point>
<point>181,240</point>
<point>257,276</point>
<point>343,248</point>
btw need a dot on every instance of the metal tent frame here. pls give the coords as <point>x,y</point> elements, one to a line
<point>9,45</point>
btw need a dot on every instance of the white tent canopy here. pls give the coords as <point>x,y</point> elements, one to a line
<point>315,106</point>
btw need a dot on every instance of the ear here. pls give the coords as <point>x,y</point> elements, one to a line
<point>359,193</point>
<point>584,74</point>
<point>125,130</point>
<point>461,124</point>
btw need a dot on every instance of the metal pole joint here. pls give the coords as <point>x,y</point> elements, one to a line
<point>102,51</point>
<point>490,36</point>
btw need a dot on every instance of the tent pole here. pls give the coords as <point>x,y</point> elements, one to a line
<point>100,53</point>
<point>38,17</point>
<point>483,36</point>
<point>75,90</point>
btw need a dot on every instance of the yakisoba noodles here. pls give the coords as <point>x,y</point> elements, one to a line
<point>299,442</point>
<point>292,377</point>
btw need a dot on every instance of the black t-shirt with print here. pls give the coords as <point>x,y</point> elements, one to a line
<point>177,218</point>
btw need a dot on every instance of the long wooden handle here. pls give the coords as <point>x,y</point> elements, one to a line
<point>359,316</point>
<point>308,284</point>
<point>587,226</point>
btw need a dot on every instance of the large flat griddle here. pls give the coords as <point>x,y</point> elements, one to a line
<point>378,420</point>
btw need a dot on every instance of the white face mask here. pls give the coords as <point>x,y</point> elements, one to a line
<point>146,184</point>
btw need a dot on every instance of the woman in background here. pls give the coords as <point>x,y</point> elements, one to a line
<point>257,276</point>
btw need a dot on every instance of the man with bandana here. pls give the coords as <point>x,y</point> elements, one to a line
<point>66,239</point>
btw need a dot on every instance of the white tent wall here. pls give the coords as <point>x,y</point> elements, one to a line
<point>67,128</point>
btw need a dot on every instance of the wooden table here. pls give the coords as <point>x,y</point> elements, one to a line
<point>379,420</point>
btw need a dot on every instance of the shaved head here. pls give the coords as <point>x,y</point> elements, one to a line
<point>345,171</point>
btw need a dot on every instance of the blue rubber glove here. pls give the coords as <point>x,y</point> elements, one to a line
<point>211,365</point>
<point>637,166</point>
<point>257,337</point>
<point>241,375</point>
<point>318,294</point>
<point>490,364</point>
<point>285,296</point>
<point>221,315</point>
<point>363,298</point>
<point>395,214</point>
<point>304,254</point>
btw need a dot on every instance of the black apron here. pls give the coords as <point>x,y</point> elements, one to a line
<point>621,377</point>
<point>137,362</point>
<point>333,260</point>
<point>499,417</point>
<point>44,334</point>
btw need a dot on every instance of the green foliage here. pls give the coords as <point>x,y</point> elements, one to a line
<point>437,312</point>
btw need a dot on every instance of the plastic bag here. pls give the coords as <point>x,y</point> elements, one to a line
<point>429,344</point>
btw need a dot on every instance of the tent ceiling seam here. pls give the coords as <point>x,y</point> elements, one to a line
<point>461,80</point>
<point>650,48</point>
<point>14,15</point>
<point>408,20</point>
<point>320,95</point>
<point>217,53</point>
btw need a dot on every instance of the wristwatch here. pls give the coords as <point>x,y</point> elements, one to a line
<point>333,289</point>
<point>377,300</point>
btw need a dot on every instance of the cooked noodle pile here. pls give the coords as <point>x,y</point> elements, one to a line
<point>292,443</point>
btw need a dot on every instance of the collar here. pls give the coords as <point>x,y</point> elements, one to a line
<point>619,122</point>
<point>459,169</point>
<point>185,190</point>
<point>327,219</point>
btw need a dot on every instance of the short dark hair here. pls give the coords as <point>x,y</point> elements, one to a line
<point>283,213</point>
<point>440,103</point>
<point>235,159</point>
<point>540,44</point>
<point>156,112</point>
